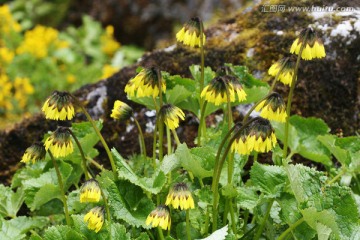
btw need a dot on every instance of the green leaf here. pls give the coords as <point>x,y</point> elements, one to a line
<point>303,133</point>
<point>245,77</point>
<point>229,191</point>
<point>323,231</point>
<point>153,185</point>
<point>219,234</point>
<point>177,94</point>
<point>10,202</point>
<point>61,232</point>
<point>340,154</point>
<point>191,162</point>
<point>118,231</point>
<point>325,218</point>
<point>17,227</point>
<point>247,197</point>
<point>204,196</point>
<point>269,179</point>
<point>127,201</point>
<point>169,163</point>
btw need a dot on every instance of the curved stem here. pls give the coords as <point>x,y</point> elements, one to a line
<point>161,235</point>
<point>202,124</point>
<point>342,172</point>
<point>259,231</point>
<point>255,105</point>
<point>188,224</point>
<point>61,186</point>
<point>84,162</point>
<point>176,137</point>
<point>107,209</point>
<point>278,74</point>
<point>97,131</point>
<point>292,227</point>
<point>291,93</point>
<point>142,140</point>
<point>96,164</point>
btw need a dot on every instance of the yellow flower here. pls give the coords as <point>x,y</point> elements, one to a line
<point>108,71</point>
<point>180,197</point>
<point>95,218</point>
<point>59,106</point>
<point>240,144</point>
<point>34,153</point>
<point>90,191</point>
<point>261,137</point>
<point>121,111</point>
<point>39,41</point>
<point>314,48</point>
<point>5,92</point>
<point>219,88</point>
<point>273,108</point>
<point>286,66</point>
<point>6,55</point>
<point>190,33</point>
<point>146,83</point>
<point>160,217</point>
<point>7,23</point>
<point>170,114</point>
<point>70,78</point>
<point>108,43</point>
<point>59,142</point>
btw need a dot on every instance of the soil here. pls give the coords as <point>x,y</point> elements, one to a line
<point>327,88</point>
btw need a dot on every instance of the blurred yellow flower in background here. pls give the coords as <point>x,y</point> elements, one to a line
<point>108,71</point>
<point>40,40</point>
<point>108,43</point>
<point>5,92</point>
<point>7,23</point>
<point>6,55</point>
<point>23,88</point>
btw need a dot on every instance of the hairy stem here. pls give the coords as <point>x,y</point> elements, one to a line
<point>84,162</point>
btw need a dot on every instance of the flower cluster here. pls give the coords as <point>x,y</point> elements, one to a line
<point>284,69</point>
<point>159,217</point>
<point>90,191</point>
<point>7,23</point>
<point>272,108</point>
<point>95,218</point>
<point>34,153</point>
<point>180,197</point>
<point>311,43</point>
<point>38,41</point>
<point>170,115</point>
<point>259,137</point>
<point>59,106</point>
<point>121,111</point>
<point>108,43</point>
<point>59,142</point>
<point>190,33</point>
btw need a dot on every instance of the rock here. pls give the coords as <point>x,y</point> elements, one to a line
<point>327,88</point>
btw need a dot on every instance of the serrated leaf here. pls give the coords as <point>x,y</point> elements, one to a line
<point>17,227</point>
<point>247,198</point>
<point>204,196</point>
<point>61,232</point>
<point>153,184</point>
<point>118,231</point>
<point>169,163</point>
<point>10,202</point>
<point>314,217</point>
<point>323,231</point>
<point>191,162</point>
<point>269,179</point>
<point>127,201</point>
<point>177,94</point>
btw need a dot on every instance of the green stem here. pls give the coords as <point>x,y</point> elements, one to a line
<point>217,171</point>
<point>97,131</point>
<point>207,220</point>
<point>292,227</point>
<point>342,172</point>
<point>255,156</point>
<point>161,235</point>
<point>61,186</point>
<point>291,93</point>
<point>277,75</point>
<point>188,224</point>
<point>154,145</point>
<point>267,214</point>
<point>201,130</point>
<point>96,164</point>
<point>161,138</point>
<point>84,162</point>
<point>176,137</point>
<point>232,217</point>
<point>246,217</point>
<point>142,140</point>
<point>107,209</point>
<point>202,124</point>
<point>168,138</point>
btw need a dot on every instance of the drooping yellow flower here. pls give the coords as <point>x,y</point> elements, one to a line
<point>261,137</point>
<point>190,33</point>
<point>170,114</point>
<point>180,197</point>
<point>219,88</point>
<point>108,71</point>
<point>95,218</point>
<point>286,66</point>
<point>39,41</point>
<point>108,43</point>
<point>7,22</point>
<point>121,111</point>
<point>240,144</point>
<point>314,47</point>
<point>59,106</point>
<point>146,83</point>
<point>90,191</point>
<point>34,153</point>
<point>272,108</point>
<point>59,142</point>
<point>159,217</point>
